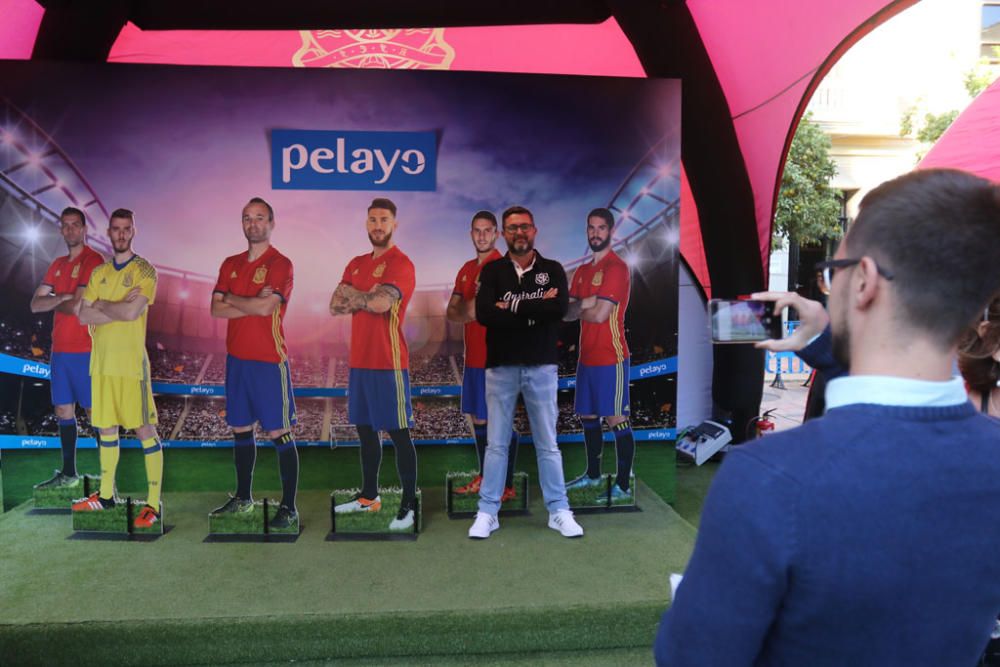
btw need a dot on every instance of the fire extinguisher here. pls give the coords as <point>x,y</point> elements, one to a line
<point>764,424</point>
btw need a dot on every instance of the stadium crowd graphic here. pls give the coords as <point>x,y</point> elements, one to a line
<point>185,343</point>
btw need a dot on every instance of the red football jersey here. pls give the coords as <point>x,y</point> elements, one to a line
<point>466,283</point>
<point>377,339</point>
<point>257,337</point>
<point>603,344</point>
<point>64,277</point>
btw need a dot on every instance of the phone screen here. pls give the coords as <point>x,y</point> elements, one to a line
<point>743,321</point>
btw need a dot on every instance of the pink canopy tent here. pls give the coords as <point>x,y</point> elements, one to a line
<point>748,69</point>
<point>972,142</point>
<point>757,61</point>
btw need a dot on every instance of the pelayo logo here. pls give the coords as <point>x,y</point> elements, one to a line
<point>350,160</point>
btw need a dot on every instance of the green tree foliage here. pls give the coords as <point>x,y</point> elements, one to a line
<point>933,125</point>
<point>808,210</point>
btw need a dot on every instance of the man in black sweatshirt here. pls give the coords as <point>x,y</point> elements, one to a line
<point>520,300</point>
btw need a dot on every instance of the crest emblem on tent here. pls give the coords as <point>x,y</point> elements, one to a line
<point>412,48</point>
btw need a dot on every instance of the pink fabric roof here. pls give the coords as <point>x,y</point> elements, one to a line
<point>768,56</point>
<point>972,142</point>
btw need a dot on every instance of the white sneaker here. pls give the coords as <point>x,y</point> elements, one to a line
<point>403,520</point>
<point>483,526</point>
<point>359,504</point>
<point>563,521</point>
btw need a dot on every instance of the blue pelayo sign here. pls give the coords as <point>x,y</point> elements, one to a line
<point>350,160</point>
<point>25,367</point>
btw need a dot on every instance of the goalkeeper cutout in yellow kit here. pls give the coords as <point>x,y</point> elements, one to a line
<point>119,366</point>
<point>115,304</point>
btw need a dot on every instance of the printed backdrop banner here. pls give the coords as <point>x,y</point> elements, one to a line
<point>186,147</point>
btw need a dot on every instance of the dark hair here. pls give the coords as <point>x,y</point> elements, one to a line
<point>485,215</point>
<point>514,210</point>
<point>72,210</point>
<point>975,353</point>
<point>122,213</point>
<point>604,214</point>
<point>938,232</point>
<point>382,202</point>
<point>263,202</point>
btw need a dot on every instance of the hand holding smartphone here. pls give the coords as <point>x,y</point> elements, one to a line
<point>743,321</point>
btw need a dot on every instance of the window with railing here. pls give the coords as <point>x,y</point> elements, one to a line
<point>989,40</point>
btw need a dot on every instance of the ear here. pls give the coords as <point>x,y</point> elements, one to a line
<point>865,283</point>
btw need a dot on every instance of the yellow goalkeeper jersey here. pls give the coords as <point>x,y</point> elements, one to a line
<point>119,348</point>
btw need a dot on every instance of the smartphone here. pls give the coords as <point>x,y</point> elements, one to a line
<point>735,321</point>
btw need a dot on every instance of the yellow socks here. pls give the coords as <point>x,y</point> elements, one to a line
<point>109,464</point>
<point>154,470</point>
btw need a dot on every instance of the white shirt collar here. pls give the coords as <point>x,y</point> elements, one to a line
<point>887,390</point>
<point>520,271</point>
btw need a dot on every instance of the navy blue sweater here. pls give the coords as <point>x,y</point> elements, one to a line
<point>870,536</point>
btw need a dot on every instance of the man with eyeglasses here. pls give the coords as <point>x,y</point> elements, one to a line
<point>522,298</point>
<point>867,536</point>
<point>61,292</point>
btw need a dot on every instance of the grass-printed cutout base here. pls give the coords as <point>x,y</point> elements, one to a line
<point>469,503</point>
<point>596,496</point>
<point>373,522</point>
<point>238,523</point>
<point>249,523</point>
<point>293,527</point>
<point>63,497</point>
<point>115,520</point>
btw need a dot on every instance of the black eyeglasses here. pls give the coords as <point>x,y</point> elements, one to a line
<point>514,229</point>
<point>824,272</point>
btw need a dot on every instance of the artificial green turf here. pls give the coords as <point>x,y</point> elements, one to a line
<point>400,638</point>
<point>693,483</point>
<point>612,657</point>
<point>524,590</point>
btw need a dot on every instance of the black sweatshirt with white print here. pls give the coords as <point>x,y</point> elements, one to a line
<point>526,332</point>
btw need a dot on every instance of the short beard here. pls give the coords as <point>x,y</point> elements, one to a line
<point>517,253</point>
<point>383,243</point>
<point>598,246</point>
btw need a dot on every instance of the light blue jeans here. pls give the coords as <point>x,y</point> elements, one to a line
<point>538,385</point>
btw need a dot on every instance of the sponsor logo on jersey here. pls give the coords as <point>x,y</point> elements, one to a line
<point>233,275</point>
